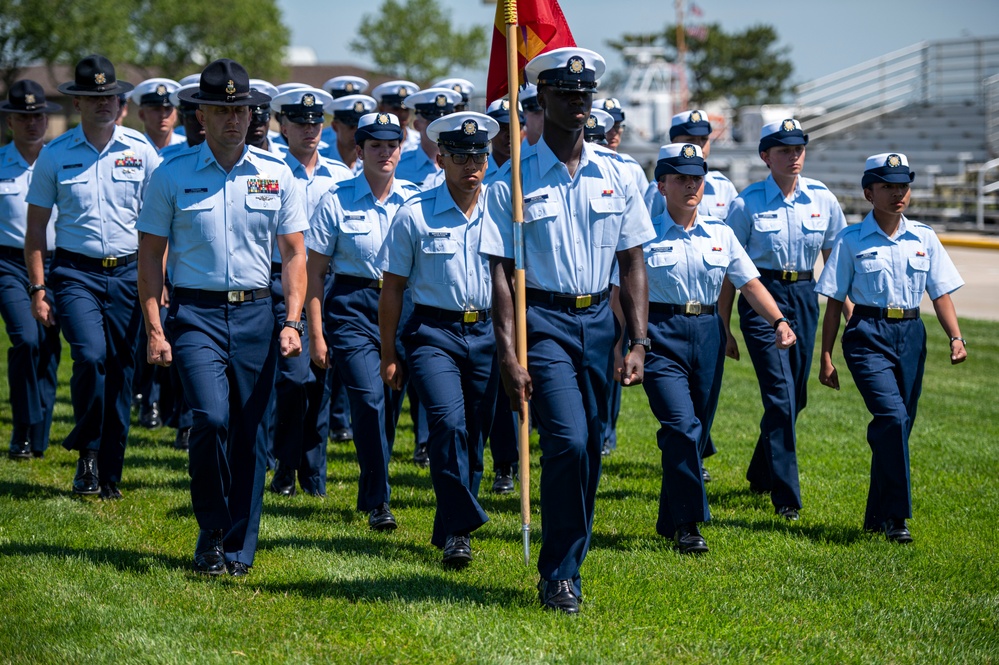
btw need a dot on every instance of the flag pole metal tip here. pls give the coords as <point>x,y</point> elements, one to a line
<point>526,532</point>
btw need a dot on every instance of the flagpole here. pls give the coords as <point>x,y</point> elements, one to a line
<point>520,294</point>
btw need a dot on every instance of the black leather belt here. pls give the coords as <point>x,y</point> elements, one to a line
<point>688,309</point>
<point>106,262</point>
<point>581,301</point>
<point>363,282</point>
<point>868,312</point>
<point>12,252</point>
<point>276,268</point>
<point>221,296</point>
<point>451,315</point>
<point>787,275</point>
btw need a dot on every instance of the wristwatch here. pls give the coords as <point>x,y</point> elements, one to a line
<point>297,325</point>
<point>781,320</point>
<point>35,288</point>
<point>641,341</point>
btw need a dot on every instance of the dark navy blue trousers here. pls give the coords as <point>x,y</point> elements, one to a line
<point>680,380</point>
<point>886,359</point>
<point>352,328</point>
<point>32,358</point>
<point>569,362</point>
<point>226,359</point>
<point>100,316</point>
<point>783,379</point>
<point>301,405</point>
<point>454,370</point>
<point>503,436</point>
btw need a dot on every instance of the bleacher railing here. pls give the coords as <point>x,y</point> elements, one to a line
<point>945,71</point>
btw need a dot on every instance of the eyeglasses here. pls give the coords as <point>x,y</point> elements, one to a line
<point>459,159</point>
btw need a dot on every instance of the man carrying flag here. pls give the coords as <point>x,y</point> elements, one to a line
<point>581,211</point>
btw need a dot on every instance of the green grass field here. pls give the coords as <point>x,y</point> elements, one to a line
<point>92,582</point>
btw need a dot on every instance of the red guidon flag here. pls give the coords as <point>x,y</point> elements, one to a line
<point>542,27</point>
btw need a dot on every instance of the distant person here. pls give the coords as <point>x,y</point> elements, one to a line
<point>157,113</point>
<point>885,264</point>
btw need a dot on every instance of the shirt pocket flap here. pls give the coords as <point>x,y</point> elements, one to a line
<point>717,259</point>
<point>920,263</point>
<point>663,259</point>
<point>439,246</point>
<point>605,205</point>
<point>814,223</point>
<point>127,174</point>
<point>355,225</point>
<point>74,177</point>
<point>869,265</point>
<point>9,187</point>
<point>263,202</point>
<point>766,224</point>
<point>195,201</point>
<point>539,210</point>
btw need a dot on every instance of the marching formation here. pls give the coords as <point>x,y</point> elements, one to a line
<point>280,289</point>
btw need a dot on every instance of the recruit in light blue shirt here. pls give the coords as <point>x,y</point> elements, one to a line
<point>432,243</point>
<point>326,174</point>
<point>418,168</point>
<point>878,271</point>
<point>786,234</point>
<point>572,226</point>
<point>175,139</point>
<point>332,153</point>
<point>15,177</point>
<point>350,225</point>
<point>98,193</point>
<point>222,227</point>
<point>719,192</point>
<point>685,266</point>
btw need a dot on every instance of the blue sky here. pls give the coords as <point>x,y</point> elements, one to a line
<point>824,36</point>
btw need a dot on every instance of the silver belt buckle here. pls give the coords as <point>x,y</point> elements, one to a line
<point>235,296</point>
<point>693,307</point>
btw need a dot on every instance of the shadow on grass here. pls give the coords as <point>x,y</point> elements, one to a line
<point>122,559</point>
<point>836,534</point>
<point>369,544</point>
<point>23,490</point>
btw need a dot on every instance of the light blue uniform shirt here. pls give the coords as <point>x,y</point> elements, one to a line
<point>332,153</point>
<point>15,177</point>
<point>417,167</point>
<point>432,243</point>
<point>350,225</point>
<point>719,192</point>
<point>222,227</point>
<point>98,194</point>
<point>572,226</point>
<point>175,149</point>
<point>879,271</point>
<point>683,266</point>
<point>411,140</point>
<point>492,171</point>
<point>326,174</point>
<point>175,139</point>
<point>786,234</point>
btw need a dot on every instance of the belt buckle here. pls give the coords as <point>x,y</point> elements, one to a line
<point>380,283</point>
<point>109,261</point>
<point>789,275</point>
<point>895,312</point>
<point>236,296</point>
<point>692,307</point>
<point>584,301</point>
<point>470,317</point>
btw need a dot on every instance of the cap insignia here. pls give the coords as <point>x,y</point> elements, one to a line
<point>505,105</point>
<point>161,90</point>
<point>576,65</point>
<point>230,87</point>
<point>688,151</point>
<point>358,107</point>
<point>591,122</point>
<point>787,126</point>
<point>348,86</point>
<point>469,127</point>
<point>309,100</point>
<point>441,101</point>
<point>100,78</point>
<point>695,116</point>
<point>382,119</point>
<point>403,92</point>
<point>29,98</point>
<point>894,161</point>
<point>608,104</point>
<point>456,87</point>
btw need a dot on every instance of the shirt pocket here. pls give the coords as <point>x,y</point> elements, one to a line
<point>918,269</point>
<point>11,200</point>
<point>769,231</point>
<point>127,182</point>
<point>872,275</point>
<point>261,214</point>
<point>813,230</point>
<point>356,231</point>
<point>606,213</point>
<point>663,271</point>
<point>440,253</point>
<point>715,266</point>
<point>197,211</point>
<point>539,226</point>
<point>79,187</point>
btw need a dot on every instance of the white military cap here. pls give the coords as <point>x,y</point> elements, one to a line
<point>463,87</point>
<point>350,108</point>
<point>598,124</point>
<point>175,98</point>
<point>394,93</point>
<point>433,102</point>
<point>155,92</point>
<point>303,106</point>
<point>612,106</point>
<point>465,132</point>
<point>190,78</point>
<point>341,86</point>
<point>263,86</point>
<point>381,126</point>
<point>529,97</point>
<point>499,110</point>
<point>782,132</point>
<point>887,167</point>
<point>568,68</point>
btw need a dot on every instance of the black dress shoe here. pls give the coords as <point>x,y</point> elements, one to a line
<point>457,551</point>
<point>705,476</point>
<point>504,480</point>
<point>183,440</point>
<point>19,448</point>
<point>381,518</point>
<point>342,435</point>
<point>787,512</point>
<point>689,540</point>
<point>558,595</point>
<point>421,456</point>
<point>109,492</point>
<point>85,481</point>
<point>896,531</point>
<point>283,482</point>
<point>209,558</point>
<point>149,416</point>
<point>237,568</point>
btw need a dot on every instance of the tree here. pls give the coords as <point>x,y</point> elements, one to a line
<point>747,67</point>
<point>414,40</point>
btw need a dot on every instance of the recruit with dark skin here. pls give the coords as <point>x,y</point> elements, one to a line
<point>565,113</point>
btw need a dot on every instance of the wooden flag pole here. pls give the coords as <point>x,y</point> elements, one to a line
<point>520,294</point>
